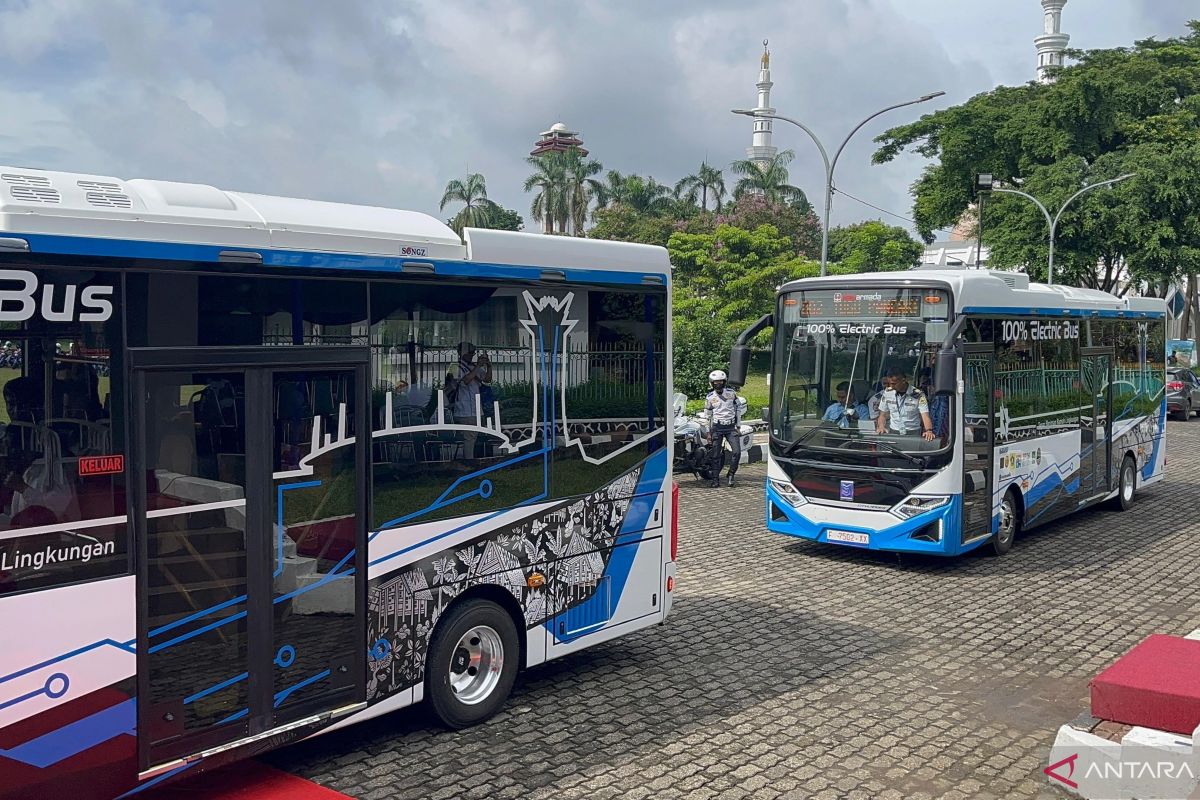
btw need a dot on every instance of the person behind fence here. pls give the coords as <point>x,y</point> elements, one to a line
<point>474,372</point>
<point>904,408</point>
<point>846,410</point>
<point>724,409</point>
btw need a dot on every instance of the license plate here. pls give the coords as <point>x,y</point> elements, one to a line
<point>848,537</point>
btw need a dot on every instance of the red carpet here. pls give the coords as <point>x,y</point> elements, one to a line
<point>1156,685</point>
<point>246,780</point>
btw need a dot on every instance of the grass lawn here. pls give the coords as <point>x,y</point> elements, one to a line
<point>8,373</point>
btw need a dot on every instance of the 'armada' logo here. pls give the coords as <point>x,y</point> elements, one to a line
<point>57,303</point>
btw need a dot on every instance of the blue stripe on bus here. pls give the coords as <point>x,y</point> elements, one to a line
<point>72,739</point>
<point>216,688</point>
<point>1063,312</point>
<point>127,647</point>
<point>175,251</point>
<point>591,612</point>
<point>155,781</point>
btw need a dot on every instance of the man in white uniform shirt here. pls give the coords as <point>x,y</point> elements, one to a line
<point>723,408</point>
<point>903,409</point>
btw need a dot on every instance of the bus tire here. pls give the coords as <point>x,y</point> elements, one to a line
<point>1010,525</point>
<point>472,663</point>
<point>1126,485</point>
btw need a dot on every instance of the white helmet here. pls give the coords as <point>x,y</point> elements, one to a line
<point>717,375</point>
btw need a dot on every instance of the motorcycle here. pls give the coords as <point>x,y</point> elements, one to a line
<point>693,451</point>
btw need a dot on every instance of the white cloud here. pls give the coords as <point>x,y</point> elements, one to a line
<point>382,101</point>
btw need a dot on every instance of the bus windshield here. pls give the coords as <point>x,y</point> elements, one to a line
<point>853,372</point>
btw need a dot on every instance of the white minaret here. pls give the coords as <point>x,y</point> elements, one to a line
<point>761,150</point>
<point>1052,42</point>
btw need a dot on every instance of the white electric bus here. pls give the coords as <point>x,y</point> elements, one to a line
<point>1018,403</point>
<point>272,466</point>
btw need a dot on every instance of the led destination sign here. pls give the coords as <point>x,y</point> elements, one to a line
<point>872,303</point>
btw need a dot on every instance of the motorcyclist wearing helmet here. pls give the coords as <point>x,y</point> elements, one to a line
<point>722,408</point>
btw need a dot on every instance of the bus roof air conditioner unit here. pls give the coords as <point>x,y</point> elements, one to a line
<point>1015,280</point>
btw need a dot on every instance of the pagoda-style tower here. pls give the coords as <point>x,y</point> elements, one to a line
<point>1052,42</point>
<point>761,150</point>
<point>558,139</point>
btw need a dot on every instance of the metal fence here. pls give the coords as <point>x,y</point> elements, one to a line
<point>597,371</point>
<point>1055,379</point>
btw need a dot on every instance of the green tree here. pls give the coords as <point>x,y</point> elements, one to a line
<point>472,193</point>
<point>622,223</point>
<point>1114,111</point>
<point>874,247</point>
<point>646,195</point>
<point>581,186</point>
<point>506,219</point>
<point>797,223</point>
<point>769,179</point>
<point>707,180</point>
<point>724,280</point>
<point>611,190</point>
<point>549,183</point>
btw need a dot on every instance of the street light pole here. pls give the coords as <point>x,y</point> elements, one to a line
<point>1053,221</point>
<point>831,165</point>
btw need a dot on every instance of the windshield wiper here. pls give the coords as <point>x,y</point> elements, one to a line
<point>794,446</point>
<point>891,448</point>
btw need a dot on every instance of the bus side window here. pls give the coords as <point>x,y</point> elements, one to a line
<point>61,448</point>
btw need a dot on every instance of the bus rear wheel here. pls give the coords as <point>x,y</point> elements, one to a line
<point>472,663</point>
<point>1126,485</point>
<point>1010,523</point>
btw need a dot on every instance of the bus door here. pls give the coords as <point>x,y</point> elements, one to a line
<point>1095,367</point>
<point>250,512</point>
<point>978,432</point>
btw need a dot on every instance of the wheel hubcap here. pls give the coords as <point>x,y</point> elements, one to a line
<point>476,664</point>
<point>1127,482</point>
<point>1007,518</point>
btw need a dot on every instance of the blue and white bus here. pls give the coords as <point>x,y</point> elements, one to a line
<point>275,466</point>
<point>1026,402</point>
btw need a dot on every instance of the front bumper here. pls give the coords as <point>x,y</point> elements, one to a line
<point>885,531</point>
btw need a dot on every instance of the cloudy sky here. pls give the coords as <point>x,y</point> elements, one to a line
<point>382,101</point>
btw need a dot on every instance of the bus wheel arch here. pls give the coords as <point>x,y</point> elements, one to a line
<point>475,651</point>
<point>1127,479</point>
<point>1012,515</point>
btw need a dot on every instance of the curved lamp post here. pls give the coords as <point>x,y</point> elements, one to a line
<point>831,165</point>
<point>1053,221</point>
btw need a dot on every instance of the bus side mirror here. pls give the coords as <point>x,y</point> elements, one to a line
<point>739,356</point>
<point>945,376</point>
<point>739,364</point>
<point>766,414</point>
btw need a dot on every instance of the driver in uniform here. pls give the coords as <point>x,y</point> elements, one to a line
<point>903,409</point>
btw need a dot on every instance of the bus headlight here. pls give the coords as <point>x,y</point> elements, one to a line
<point>912,506</point>
<point>789,493</point>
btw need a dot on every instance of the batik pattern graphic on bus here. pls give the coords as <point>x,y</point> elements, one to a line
<point>577,537</point>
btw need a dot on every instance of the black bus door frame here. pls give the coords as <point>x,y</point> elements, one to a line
<point>259,365</point>
<point>986,448</point>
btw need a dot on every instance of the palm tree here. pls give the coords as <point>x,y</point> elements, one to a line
<point>611,190</point>
<point>707,179</point>
<point>477,209</point>
<point>767,178</point>
<point>549,179</point>
<point>581,186</point>
<point>643,195</point>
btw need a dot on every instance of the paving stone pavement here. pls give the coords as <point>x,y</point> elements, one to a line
<point>795,670</point>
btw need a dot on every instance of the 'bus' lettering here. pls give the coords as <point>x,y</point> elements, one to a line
<point>19,305</point>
